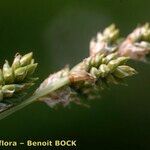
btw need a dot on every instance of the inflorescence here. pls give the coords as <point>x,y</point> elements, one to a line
<point>17,77</point>
<point>106,65</point>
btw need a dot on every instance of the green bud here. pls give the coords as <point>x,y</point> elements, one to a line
<point>92,63</point>
<point>146,35</point>
<point>113,64</point>
<point>16,62</point>
<point>8,90</point>
<point>26,59</point>
<point>122,60</point>
<point>31,68</point>
<point>8,73</point>
<point>10,87</point>
<point>124,71</point>
<point>114,35</point>
<point>109,29</point>
<point>109,57</point>
<point>111,33</point>
<point>104,69</point>
<point>20,73</point>
<point>146,25</point>
<point>94,72</point>
<point>96,60</point>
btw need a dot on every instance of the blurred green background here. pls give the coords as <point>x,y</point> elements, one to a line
<point>58,32</point>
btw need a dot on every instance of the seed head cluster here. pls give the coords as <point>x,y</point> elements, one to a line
<point>17,77</point>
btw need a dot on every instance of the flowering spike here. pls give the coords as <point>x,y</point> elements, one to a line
<point>87,78</point>
<point>137,44</point>
<point>18,76</point>
<point>103,72</point>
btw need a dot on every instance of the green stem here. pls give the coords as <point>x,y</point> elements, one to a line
<point>50,88</point>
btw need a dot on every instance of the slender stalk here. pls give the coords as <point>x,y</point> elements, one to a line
<point>50,88</point>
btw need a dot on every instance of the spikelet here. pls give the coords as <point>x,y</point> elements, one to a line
<point>86,79</point>
<point>106,41</point>
<point>137,44</point>
<point>105,70</point>
<point>18,76</point>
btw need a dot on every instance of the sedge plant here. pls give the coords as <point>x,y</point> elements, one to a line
<point>105,65</point>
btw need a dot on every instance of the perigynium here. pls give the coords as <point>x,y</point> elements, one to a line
<point>106,65</point>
